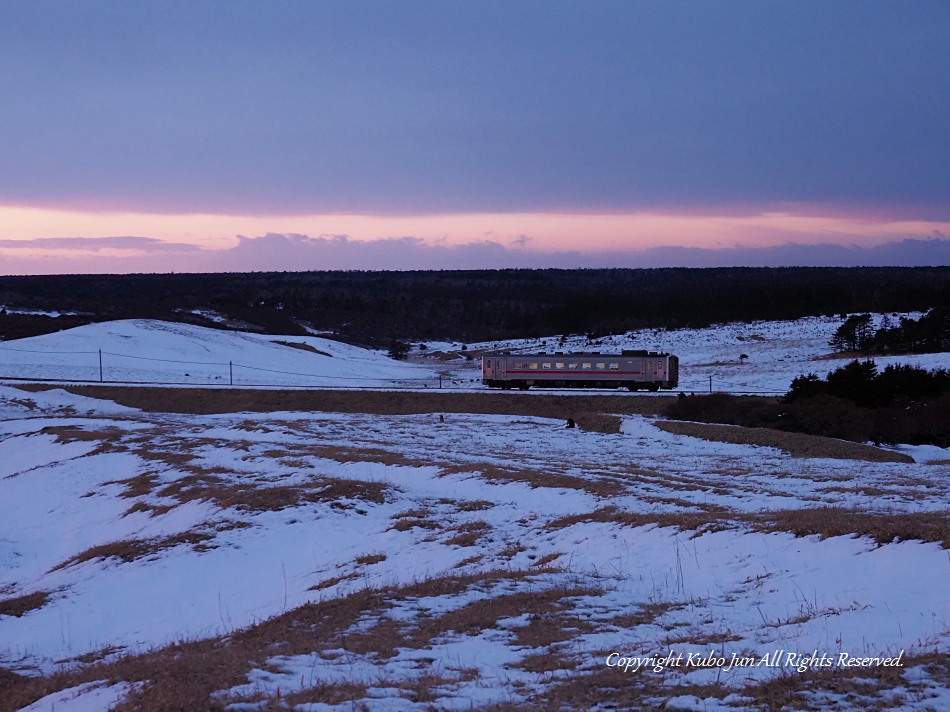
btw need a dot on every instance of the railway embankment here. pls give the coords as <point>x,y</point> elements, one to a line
<point>590,411</point>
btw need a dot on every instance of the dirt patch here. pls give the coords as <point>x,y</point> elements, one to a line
<point>795,444</point>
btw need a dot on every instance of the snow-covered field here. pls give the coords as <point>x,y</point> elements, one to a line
<point>776,351</point>
<point>150,351</point>
<point>327,561</point>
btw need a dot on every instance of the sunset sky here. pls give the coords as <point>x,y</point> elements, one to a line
<point>184,136</point>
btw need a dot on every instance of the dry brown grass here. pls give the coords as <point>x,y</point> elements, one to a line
<point>343,454</point>
<point>612,688</point>
<point>547,558</point>
<point>795,444</point>
<point>303,347</point>
<point>599,486</point>
<point>862,685</point>
<point>476,505</point>
<point>512,549</point>
<point>333,581</point>
<point>703,640</point>
<point>550,622</point>
<point>407,523</point>
<point>327,693</point>
<point>21,605</point>
<point>546,662</point>
<point>834,521</point>
<point>127,550</point>
<point>646,614</point>
<point>8,679</point>
<point>368,559</point>
<point>207,486</point>
<point>137,486</point>
<point>75,433</point>
<point>599,422</point>
<point>882,527</point>
<point>184,675</point>
<point>681,520</point>
<point>469,534</point>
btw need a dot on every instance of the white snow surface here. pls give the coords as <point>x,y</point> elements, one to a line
<point>80,479</point>
<point>88,697</point>
<point>150,351</point>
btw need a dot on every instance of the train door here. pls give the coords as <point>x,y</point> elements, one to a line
<point>488,368</point>
<point>493,368</point>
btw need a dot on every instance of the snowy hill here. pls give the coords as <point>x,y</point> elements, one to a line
<point>149,351</point>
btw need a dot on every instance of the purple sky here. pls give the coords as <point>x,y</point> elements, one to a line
<point>484,134</point>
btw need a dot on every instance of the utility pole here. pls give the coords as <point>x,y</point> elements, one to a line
<point>100,365</point>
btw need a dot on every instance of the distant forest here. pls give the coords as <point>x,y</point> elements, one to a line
<point>374,308</point>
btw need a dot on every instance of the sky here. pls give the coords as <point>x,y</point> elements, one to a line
<point>234,136</point>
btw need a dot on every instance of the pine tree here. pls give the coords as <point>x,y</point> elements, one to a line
<point>855,334</point>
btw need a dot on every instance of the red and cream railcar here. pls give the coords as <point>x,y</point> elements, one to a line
<point>633,370</point>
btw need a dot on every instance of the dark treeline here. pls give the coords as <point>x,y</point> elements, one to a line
<point>373,308</point>
<point>928,334</point>
<point>901,404</point>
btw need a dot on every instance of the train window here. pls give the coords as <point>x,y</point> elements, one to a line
<point>601,365</point>
<point>517,364</point>
<point>547,365</point>
<point>585,365</point>
<point>533,366</point>
<point>572,366</point>
<point>615,367</point>
<point>559,365</point>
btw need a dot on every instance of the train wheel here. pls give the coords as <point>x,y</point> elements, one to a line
<point>654,387</point>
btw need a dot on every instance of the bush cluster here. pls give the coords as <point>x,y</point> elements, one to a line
<point>901,404</point>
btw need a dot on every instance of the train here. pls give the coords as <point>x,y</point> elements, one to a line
<point>633,370</point>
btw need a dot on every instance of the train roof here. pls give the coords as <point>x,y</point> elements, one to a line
<point>625,352</point>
